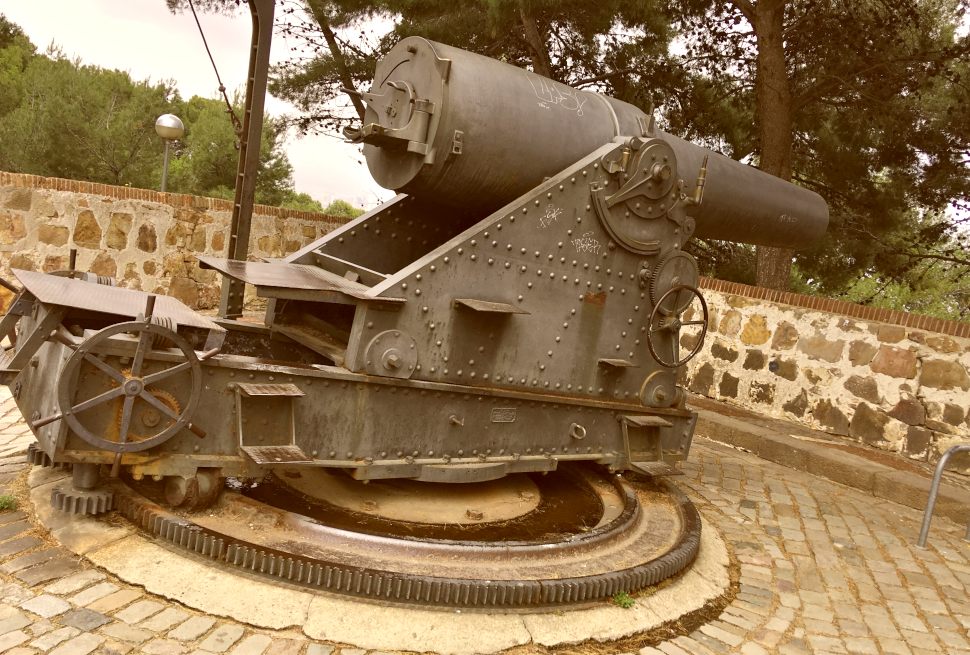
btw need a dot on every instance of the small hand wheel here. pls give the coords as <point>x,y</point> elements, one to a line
<point>673,324</point>
<point>162,419</point>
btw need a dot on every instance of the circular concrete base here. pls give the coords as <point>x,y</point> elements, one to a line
<point>135,558</point>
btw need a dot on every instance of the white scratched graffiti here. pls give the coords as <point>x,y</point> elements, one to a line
<point>551,216</point>
<point>586,244</point>
<point>550,93</point>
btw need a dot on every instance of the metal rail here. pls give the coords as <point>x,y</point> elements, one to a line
<point>924,530</point>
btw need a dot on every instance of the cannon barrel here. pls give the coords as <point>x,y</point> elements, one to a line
<point>461,129</point>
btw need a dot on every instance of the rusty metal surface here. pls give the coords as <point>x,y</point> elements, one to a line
<point>397,571</point>
<point>77,294</point>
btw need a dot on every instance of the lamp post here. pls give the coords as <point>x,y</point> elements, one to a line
<point>170,128</point>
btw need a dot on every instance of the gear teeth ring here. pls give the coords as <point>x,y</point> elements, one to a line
<point>74,501</point>
<point>37,457</point>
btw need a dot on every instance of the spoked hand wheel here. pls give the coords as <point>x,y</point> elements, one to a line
<point>159,414</point>
<point>664,319</point>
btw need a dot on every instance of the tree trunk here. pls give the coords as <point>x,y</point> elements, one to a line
<point>774,115</point>
<point>320,16</point>
<point>540,56</point>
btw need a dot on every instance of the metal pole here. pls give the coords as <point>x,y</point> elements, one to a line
<point>165,167</point>
<point>924,530</point>
<point>233,290</point>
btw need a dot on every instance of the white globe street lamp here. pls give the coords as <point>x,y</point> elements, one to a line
<point>170,128</point>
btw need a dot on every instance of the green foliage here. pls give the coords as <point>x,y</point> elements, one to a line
<point>624,600</point>
<point>83,122</point>
<point>878,119</point>
<point>7,503</point>
<point>206,158</point>
<point>342,208</point>
<point>61,118</point>
<point>617,46</point>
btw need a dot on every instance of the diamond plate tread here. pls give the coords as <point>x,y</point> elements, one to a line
<point>67,292</point>
<point>277,454</point>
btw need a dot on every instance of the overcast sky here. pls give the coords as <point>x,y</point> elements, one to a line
<point>143,38</point>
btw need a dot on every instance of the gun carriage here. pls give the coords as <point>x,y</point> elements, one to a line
<point>516,309</point>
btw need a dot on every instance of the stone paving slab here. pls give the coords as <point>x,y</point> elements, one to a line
<point>823,568</point>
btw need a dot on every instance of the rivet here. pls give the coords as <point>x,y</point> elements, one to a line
<point>549,353</point>
<point>424,309</point>
<point>569,233</point>
<point>572,180</point>
<point>433,268</point>
<point>549,195</point>
<point>473,242</point>
<point>529,285</point>
<point>558,339</point>
<point>461,251</point>
<point>523,269</point>
<point>474,257</point>
<point>520,298</point>
<point>490,261</point>
<point>418,277</point>
<point>446,260</point>
<point>508,264</point>
<point>537,203</point>
<point>494,243</point>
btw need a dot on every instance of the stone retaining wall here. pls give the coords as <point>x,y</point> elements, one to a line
<point>146,239</point>
<point>871,380</point>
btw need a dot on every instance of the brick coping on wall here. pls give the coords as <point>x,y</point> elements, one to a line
<point>841,307</point>
<point>24,180</point>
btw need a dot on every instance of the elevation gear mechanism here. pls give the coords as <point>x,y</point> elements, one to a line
<point>160,414</point>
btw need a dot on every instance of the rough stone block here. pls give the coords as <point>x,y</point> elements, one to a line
<point>186,290</point>
<point>784,368</point>
<point>119,225</point>
<point>104,264</point>
<point>943,344</point>
<point>831,417</point>
<point>12,228</point>
<point>865,388</point>
<point>909,410</point>
<point>87,231</point>
<point>754,360</point>
<point>730,323</point>
<point>861,353</point>
<point>703,380</point>
<point>918,440</point>
<point>818,347</point>
<point>868,424</point>
<point>894,362</point>
<point>722,351</point>
<point>786,336</point>
<point>797,405</point>
<point>763,392</point>
<point>18,199</point>
<point>944,374</point>
<point>55,235</point>
<point>755,331</point>
<point>890,333</point>
<point>728,387</point>
<point>147,238</point>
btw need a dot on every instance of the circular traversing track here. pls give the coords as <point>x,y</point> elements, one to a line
<point>622,554</point>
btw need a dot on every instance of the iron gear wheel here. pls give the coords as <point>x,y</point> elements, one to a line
<point>675,269</point>
<point>37,457</point>
<point>76,501</point>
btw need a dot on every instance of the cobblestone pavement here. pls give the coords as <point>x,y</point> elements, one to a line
<point>823,569</point>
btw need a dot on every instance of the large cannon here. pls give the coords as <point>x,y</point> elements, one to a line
<point>518,306</point>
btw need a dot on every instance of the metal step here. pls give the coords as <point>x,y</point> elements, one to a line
<point>277,455</point>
